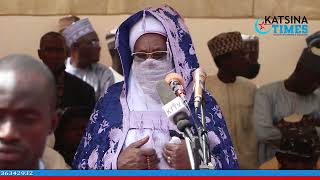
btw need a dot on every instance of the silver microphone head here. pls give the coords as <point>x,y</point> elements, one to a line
<point>199,78</point>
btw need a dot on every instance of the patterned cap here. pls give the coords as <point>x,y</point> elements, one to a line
<point>310,59</point>
<point>225,43</point>
<point>66,21</point>
<point>77,30</point>
<point>313,38</point>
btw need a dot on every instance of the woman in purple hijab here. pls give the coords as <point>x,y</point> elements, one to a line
<point>128,128</point>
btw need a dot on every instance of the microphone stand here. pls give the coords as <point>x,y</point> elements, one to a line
<point>206,163</point>
<point>190,152</point>
<point>203,136</point>
<point>193,144</point>
<point>197,146</point>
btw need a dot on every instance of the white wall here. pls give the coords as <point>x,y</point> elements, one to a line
<point>278,55</point>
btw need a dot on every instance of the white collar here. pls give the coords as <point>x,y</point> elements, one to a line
<point>73,68</point>
<point>41,165</point>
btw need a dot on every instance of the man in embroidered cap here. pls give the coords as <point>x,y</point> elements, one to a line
<point>287,100</point>
<point>116,62</point>
<point>236,57</point>
<point>129,129</point>
<point>84,63</point>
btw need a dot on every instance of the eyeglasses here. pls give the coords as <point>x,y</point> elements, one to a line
<point>153,55</point>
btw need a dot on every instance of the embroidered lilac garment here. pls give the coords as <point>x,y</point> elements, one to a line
<point>153,124</point>
<point>110,122</point>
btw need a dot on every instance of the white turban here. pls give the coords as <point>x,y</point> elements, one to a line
<point>145,25</point>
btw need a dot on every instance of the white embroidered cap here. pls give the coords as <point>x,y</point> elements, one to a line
<point>77,30</point>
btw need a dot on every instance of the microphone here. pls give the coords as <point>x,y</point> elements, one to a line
<point>176,83</point>
<point>178,113</point>
<point>183,124</point>
<point>172,105</point>
<point>199,78</point>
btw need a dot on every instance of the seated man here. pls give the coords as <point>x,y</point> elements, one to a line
<point>71,91</point>
<point>236,57</point>
<point>294,97</point>
<point>27,111</point>
<point>128,128</point>
<point>83,43</point>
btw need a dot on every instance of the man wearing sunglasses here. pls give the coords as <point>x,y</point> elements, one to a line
<point>128,128</point>
<point>84,47</point>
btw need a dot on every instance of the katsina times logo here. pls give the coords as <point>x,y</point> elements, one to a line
<point>282,25</point>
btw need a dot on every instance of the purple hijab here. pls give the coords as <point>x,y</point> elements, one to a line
<point>107,129</point>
